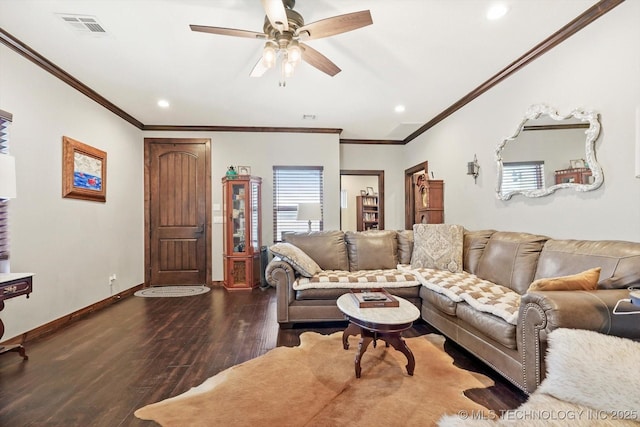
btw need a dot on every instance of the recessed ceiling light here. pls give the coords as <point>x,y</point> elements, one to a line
<point>497,11</point>
<point>399,109</point>
<point>163,103</point>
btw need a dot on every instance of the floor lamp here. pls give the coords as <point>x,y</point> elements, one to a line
<point>309,212</point>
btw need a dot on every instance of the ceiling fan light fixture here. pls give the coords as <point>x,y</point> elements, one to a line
<point>269,54</point>
<point>294,53</point>
<point>287,68</point>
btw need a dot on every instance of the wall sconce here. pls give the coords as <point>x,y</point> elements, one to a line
<point>473,168</point>
<point>7,177</point>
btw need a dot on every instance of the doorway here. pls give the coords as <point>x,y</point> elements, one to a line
<point>410,194</point>
<point>351,183</point>
<point>177,187</point>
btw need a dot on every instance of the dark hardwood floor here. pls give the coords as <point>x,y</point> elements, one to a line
<point>98,370</point>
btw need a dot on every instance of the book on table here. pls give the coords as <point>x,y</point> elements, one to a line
<point>376,297</point>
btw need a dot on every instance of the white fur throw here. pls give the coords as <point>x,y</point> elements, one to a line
<point>594,370</point>
<point>592,380</point>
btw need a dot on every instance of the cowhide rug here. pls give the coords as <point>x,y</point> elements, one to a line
<point>314,384</point>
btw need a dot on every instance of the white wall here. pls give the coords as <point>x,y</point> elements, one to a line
<point>262,151</point>
<point>71,245</point>
<point>381,157</point>
<point>598,68</point>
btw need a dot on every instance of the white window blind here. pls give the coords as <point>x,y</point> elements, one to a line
<point>293,185</point>
<point>5,119</point>
<point>518,176</point>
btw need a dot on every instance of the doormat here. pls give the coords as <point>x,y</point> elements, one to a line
<point>172,291</point>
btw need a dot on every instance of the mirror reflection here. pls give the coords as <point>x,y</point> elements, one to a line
<point>549,152</point>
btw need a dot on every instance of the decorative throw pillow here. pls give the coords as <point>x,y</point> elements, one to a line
<point>327,248</point>
<point>585,281</point>
<point>405,246</point>
<point>295,256</point>
<point>372,250</point>
<point>438,246</point>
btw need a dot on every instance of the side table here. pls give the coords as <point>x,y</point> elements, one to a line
<point>13,285</point>
<point>385,323</point>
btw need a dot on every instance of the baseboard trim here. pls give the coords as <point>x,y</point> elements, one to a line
<point>57,324</point>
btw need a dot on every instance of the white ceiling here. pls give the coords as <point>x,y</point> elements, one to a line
<point>423,54</point>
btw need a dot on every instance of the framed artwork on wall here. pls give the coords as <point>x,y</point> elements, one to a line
<point>84,171</point>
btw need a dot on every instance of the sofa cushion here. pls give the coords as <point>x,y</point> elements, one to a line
<point>327,248</point>
<point>585,281</point>
<point>296,257</point>
<point>489,325</point>
<point>620,261</point>
<point>439,301</point>
<point>362,279</point>
<point>473,246</point>
<point>372,250</point>
<point>510,259</point>
<point>405,246</point>
<point>481,294</point>
<point>438,246</point>
<point>312,294</point>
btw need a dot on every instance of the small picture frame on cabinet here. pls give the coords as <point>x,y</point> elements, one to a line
<point>578,163</point>
<point>244,170</point>
<point>369,191</point>
<point>363,192</point>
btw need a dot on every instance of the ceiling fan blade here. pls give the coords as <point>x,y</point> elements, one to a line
<point>318,60</point>
<point>259,69</point>
<point>228,32</point>
<point>335,25</point>
<point>277,14</point>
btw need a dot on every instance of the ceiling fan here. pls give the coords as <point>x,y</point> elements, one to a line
<point>285,31</point>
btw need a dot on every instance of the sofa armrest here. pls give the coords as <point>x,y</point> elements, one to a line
<point>281,275</point>
<point>543,311</point>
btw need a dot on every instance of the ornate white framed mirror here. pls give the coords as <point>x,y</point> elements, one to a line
<point>549,151</point>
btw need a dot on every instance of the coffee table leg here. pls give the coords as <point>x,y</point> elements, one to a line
<point>351,330</point>
<point>399,344</point>
<point>365,340</point>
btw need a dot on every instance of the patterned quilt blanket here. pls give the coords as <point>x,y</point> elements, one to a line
<point>480,294</point>
<point>363,279</point>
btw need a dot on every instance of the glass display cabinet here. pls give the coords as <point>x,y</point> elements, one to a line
<point>241,231</point>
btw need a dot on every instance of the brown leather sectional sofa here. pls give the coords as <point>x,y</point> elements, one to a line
<point>510,259</point>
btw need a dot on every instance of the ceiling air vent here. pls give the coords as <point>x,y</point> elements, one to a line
<point>83,24</point>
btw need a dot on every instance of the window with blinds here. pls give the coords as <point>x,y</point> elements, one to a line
<point>517,176</point>
<point>294,185</point>
<point>5,119</point>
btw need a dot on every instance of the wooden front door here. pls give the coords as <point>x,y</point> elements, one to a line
<point>177,211</point>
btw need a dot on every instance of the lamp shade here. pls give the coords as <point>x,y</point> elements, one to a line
<point>309,212</point>
<point>7,177</point>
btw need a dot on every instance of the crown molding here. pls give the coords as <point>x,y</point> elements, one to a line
<point>584,19</point>
<point>33,56</point>
<point>209,128</point>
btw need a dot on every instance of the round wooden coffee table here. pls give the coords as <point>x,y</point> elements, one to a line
<point>385,323</point>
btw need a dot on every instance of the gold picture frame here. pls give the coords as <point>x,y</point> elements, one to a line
<point>84,171</point>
